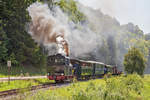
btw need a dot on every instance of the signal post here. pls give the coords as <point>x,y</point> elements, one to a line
<point>9,67</point>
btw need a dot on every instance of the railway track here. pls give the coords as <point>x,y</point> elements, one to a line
<point>22,90</point>
<point>16,91</point>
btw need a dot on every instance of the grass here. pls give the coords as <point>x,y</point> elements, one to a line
<point>22,83</point>
<point>146,90</point>
<point>22,71</point>
<point>132,87</point>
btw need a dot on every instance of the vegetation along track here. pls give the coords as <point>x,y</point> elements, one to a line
<point>16,91</point>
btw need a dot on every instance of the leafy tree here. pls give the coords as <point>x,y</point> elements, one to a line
<point>134,61</point>
<point>3,44</point>
<point>141,44</point>
<point>13,59</point>
<point>70,7</point>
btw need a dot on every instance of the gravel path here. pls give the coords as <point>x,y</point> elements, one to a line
<point>22,78</point>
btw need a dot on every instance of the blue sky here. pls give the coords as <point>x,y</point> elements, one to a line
<point>135,11</point>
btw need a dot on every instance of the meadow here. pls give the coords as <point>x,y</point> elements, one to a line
<point>131,87</point>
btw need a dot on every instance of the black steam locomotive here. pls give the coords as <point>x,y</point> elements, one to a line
<point>61,68</point>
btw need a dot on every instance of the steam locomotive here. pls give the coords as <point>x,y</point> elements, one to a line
<point>61,68</point>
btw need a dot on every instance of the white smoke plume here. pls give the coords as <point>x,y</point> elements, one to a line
<point>47,25</point>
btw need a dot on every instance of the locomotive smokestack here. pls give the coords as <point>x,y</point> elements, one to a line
<point>66,47</point>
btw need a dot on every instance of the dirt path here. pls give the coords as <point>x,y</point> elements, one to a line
<point>21,78</point>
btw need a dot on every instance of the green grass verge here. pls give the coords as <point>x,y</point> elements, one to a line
<point>22,83</point>
<point>22,71</point>
<point>132,87</point>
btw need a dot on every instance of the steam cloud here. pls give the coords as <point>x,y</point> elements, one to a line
<point>47,25</point>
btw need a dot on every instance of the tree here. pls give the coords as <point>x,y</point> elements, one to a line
<point>141,44</point>
<point>3,44</point>
<point>134,61</point>
<point>70,7</point>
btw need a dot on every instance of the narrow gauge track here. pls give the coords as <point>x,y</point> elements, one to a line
<point>21,90</point>
<point>16,91</point>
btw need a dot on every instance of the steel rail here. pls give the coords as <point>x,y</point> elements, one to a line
<point>16,91</point>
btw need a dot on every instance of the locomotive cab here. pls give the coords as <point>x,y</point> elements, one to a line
<point>59,68</point>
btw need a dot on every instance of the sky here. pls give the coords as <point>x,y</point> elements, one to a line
<point>125,11</point>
